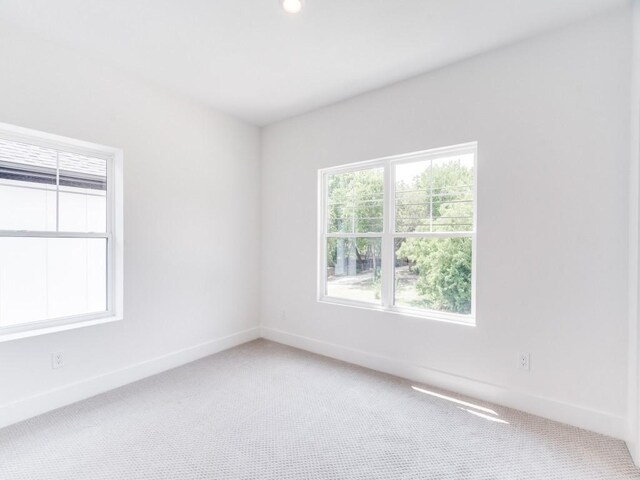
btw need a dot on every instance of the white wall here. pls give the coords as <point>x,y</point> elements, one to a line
<point>634,223</point>
<point>551,117</point>
<point>191,223</point>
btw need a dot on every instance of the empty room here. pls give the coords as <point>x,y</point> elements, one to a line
<point>319,239</point>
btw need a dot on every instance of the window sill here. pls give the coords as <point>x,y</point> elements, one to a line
<point>60,325</point>
<point>466,320</point>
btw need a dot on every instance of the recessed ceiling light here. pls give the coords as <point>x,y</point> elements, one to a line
<point>291,6</point>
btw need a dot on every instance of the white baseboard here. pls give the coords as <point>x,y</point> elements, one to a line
<point>576,415</point>
<point>597,421</point>
<point>52,399</point>
<point>633,451</point>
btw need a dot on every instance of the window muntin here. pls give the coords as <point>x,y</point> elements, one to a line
<point>57,231</point>
<point>425,204</point>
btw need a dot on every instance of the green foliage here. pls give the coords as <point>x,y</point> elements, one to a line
<point>439,199</point>
<point>443,266</point>
<point>356,205</point>
<point>356,201</point>
<point>365,252</point>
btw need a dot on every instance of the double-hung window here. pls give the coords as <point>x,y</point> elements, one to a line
<point>60,233</point>
<point>399,233</point>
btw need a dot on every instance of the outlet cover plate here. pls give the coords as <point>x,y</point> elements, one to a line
<point>57,360</point>
<point>524,361</point>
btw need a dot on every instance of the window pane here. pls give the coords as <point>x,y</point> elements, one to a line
<point>433,274</point>
<point>27,187</point>
<point>435,195</point>
<point>353,269</point>
<point>83,193</point>
<point>82,210</point>
<point>29,179</point>
<point>45,278</point>
<point>27,206</point>
<point>355,201</point>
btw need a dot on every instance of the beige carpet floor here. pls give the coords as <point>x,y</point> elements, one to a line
<point>265,411</point>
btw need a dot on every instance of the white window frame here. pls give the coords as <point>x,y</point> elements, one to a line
<point>113,233</point>
<point>389,234</point>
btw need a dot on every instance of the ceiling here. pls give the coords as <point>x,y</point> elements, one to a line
<point>250,59</point>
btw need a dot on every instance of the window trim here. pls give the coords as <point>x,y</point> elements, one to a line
<point>113,232</point>
<point>388,234</point>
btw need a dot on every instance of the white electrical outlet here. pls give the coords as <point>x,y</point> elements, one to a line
<point>524,361</point>
<point>57,360</point>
